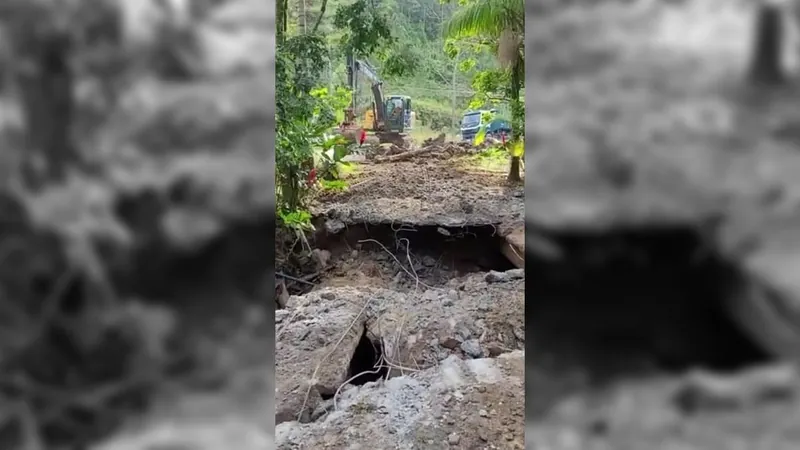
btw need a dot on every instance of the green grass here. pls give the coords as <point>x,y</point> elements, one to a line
<point>420,133</point>
<point>493,159</point>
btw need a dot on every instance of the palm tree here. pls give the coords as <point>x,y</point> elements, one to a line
<point>501,22</point>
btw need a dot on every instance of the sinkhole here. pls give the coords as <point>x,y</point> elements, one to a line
<point>367,363</point>
<point>634,300</point>
<point>434,253</point>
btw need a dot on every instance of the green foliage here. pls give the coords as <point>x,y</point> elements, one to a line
<point>299,220</point>
<point>433,115</point>
<point>330,157</point>
<point>334,185</point>
<point>486,18</point>
<point>399,62</point>
<point>305,114</point>
<point>404,37</point>
<point>365,29</point>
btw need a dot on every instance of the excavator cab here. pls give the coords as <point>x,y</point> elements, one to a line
<point>395,114</point>
<point>407,113</point>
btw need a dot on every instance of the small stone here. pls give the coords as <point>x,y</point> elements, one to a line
<point>463,331</point>
<point>428,261</point>
<point>515,274</point>
<point>504,277</point>
<point>449,342</point>
<point>447,302</point>
<point>354,254</point>
<point>452,294</point>
<point>495,349</point>
<point>453,439</point>
<point>430,295</point>
<point>472,348</point>
<point>483,413</point>
<point>481,388</point>
<point>495,277</point>
<point>334,226</point>
<point>328,296</point>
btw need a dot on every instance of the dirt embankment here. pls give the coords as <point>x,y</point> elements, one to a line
<point>413,329</point>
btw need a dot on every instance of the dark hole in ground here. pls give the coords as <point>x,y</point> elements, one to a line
<point>438,254</point>
<point>367,365</point>
<point>633,302</point>
<point>234,261</point>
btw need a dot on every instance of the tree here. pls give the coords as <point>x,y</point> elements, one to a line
<point>501,23</point>
<point>765,66</point>
<point>41,43</point>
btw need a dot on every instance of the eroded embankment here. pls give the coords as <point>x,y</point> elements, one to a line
<point>394,300</point>
<point>637,298</point>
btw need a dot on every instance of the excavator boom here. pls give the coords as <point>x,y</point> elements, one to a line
<point>355,66</point>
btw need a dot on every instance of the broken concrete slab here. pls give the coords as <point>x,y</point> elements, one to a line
<point>418,330</point>
<point>459,404</point>
<point>514,247</point>
<point>314,346</point>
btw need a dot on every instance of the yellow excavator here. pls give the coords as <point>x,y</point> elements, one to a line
<point>388,118</point>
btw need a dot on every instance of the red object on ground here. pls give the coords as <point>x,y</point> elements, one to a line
<point>503,137</point>
<point>363,137</point>
<point>312,176</point>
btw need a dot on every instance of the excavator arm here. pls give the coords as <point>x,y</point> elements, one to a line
<point>355,66</point>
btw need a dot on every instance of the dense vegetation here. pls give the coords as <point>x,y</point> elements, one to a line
<point>447,56</point>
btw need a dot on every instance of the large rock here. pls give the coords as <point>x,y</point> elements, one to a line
<point>314,348</point>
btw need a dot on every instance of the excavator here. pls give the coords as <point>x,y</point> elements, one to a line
<point>388,118</point>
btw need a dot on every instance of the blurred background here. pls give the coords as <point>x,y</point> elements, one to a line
<point>136,210</point>
<point>661,213</point>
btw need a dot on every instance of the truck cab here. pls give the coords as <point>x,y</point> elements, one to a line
<point>470,124</point>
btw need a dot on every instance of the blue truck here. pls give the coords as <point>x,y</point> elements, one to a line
<point>472,121</point>
<point>470,124</point>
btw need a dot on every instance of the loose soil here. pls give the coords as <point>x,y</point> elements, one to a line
<point>410,276</point>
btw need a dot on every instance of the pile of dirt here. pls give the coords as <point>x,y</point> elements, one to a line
<point>431,149</point>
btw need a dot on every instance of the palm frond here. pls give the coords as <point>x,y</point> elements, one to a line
<point>487,18</point>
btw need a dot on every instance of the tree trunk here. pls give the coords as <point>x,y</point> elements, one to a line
<point>517,119</point>
<point>765,66</point>
<point>321,15</point>
<point>513,174</point>
<point>46,86</point>
<point>281,13</point>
